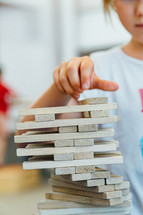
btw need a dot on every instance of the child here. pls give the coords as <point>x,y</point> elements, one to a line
<point>122,65</point>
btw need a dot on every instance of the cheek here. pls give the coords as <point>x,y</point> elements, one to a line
<point>126,17</point>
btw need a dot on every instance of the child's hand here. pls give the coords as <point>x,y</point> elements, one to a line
<point>76,75</point>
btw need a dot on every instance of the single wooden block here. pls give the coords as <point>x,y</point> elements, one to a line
<point>105,188</point>
<point>99,113</point>
<point>67,129</point>
<point>96,182</point>
<point>64,157</point>
<point>83,155</point>
<point>56,207</point>
<point>67,109</point>
<point>81,177</point>
<point>65,171</point>
<point>93,101</point>
<point>84,142</point>
<point>125,191</point>
<point>84,128</point>
<point>127,197</point>
<point>84,169</point>
<point>45,117</point>
<point>100,174</point>
<point>83,199</point>
<point>113,194</point>
<point>114,179</point>
<point>123,185</point>
<point>63,143</point>
<point>86,114</point>
<point>24,138</point>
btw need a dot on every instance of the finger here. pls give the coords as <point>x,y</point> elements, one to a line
<point>105,85</point>
<point>56,77</point>
<point>86,68</point>
<point>65,82</point>
<point>73,74</point>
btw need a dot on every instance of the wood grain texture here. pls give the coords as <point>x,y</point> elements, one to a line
<point>43,149</point>
<point>83,199</point>
<point>45,117</point>
<point>108,159</point>
<point>108,132</point>
<point>67,122</point>
<point>67,109</point>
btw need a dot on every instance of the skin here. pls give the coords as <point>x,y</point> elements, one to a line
<point>130,13</point>
<point>76,75</point>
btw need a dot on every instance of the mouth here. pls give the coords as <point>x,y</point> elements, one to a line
<point>139,25</point>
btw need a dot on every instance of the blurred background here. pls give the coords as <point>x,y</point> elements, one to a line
<point>35,37</point>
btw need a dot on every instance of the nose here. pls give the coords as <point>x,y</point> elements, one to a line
<point>139,8</point>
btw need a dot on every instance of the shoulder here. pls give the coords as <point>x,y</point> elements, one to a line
<point>106,54</point>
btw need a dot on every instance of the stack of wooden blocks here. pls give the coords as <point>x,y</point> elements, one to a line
<point>75,148</point>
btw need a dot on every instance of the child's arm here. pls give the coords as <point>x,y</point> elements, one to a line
<point>70,79</point>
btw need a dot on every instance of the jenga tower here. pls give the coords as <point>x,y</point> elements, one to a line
<point>75,148</point>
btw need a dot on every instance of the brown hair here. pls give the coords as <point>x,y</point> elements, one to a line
<point>108,4</point>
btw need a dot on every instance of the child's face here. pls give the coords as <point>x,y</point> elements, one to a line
<point>131,15</point>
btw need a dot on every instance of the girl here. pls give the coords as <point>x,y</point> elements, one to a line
<point>102,71</point>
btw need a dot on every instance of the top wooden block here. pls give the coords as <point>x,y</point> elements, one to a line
<point>93,101</point>
<point>67,109</point>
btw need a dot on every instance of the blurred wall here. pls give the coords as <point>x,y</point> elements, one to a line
<point>35,36</point>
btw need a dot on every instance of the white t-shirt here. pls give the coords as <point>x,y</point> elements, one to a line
<point>115,65</point>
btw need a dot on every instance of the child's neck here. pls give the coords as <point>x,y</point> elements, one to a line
<point>134,49</point>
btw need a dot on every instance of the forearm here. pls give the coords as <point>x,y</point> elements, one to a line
<point>52,97</point>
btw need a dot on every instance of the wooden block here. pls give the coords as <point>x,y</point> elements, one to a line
<point>127,197</point>
<point>113,194</point>
<point>83,199</point>
<point>64,157</point>
<point>65,171</point>
<point>84,169</point>
<point>114,179</point>
<point>84,142</point>
<point>98,113</point>
<point>92,101</point>
<point>125,191</point>
<point>66,122</point>
<point>63,143</point>
<point>78,192</point>
<point>108,132</point>
<point>123,185</point>
<point>86,114</point>
<point>45,117</point>
<point>67,109</point>
<point>67,129</point>
<point>102,190</point>
<point>46,149</point>
<point>105,188</point>
<point>83,128</point>
<point>55,207</point>
<point>81,177</point>
<point>108,159</point>
<point>96,182</point>
<point>83,155</point>
<point>88,191</point>
<point>100,174</point>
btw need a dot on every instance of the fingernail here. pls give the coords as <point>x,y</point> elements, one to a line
<point>85,86</point>
<point>76,96</point>
<point>79,90</point>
